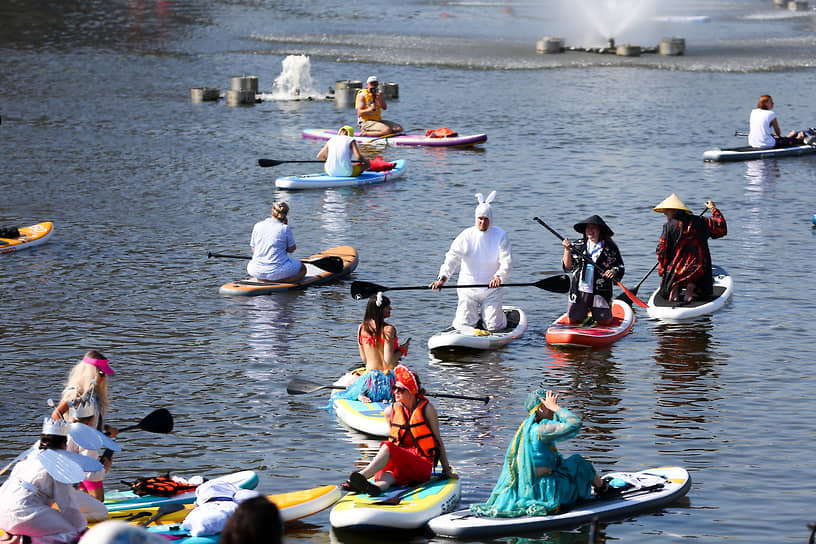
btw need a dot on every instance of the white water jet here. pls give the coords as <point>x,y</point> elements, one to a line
<point>295,81</point>
<point>594,22</point>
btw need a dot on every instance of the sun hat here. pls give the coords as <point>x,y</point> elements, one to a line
<point>348,129</point>
<point>672,202</point>
<point>371,79</point>
<point>101,364</point>
<point>594,220</point>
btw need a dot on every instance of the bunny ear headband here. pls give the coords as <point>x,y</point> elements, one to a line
<point>484,209</point>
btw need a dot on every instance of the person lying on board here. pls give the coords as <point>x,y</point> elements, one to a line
<point>271,243</point>
<point>486,257</point>
<point>370,103</point>
<point>379,350</point>
<point>414,444</point>
<point>591,288</point>
<point>535,479</point>
<point>338,153</point>
<point>764,132</point>
<point>683,257</point>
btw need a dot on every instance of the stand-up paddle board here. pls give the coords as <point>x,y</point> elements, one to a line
<point>325,181</point>
<point>660,308</point>
<point>416,505</point>
<point>477,338</point>
<point>314,276</point>
<point>561,333</point>
<point>641,492</point>
<point>403,139</point>
<point>30,236</point>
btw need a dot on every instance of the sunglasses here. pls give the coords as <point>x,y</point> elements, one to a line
<point>400,390</point>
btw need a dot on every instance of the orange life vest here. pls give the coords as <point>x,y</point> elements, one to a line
<point>416,426</point>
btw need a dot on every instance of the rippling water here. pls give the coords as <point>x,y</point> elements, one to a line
<point>98,135</point>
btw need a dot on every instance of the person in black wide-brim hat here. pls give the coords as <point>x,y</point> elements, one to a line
<point>596,263</point>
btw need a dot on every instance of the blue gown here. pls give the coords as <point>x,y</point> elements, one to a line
<point>519,491</point>
<point>376,385</point>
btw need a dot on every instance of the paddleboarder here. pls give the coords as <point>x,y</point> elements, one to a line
<point>764,132</point>
<point>591,287</point>
<point>380,350</point>
<point>370,103</point>
<point>43,478</point>
<point>535,479</point>
<point>485,255</point>
<point>414,444</point>
<point>338,153</point>
<point>683,258</point>
<point>271,243</point>
<point>89,380</point>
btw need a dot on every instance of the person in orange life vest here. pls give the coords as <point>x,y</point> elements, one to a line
<point>413,446</point>
<point>370,104</point>
<point>338,153</point>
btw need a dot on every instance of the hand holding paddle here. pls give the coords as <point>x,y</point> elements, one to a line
<point>330,263</point>
<point>300,386</point>
<point>557,284</point>
<point>631,295</point>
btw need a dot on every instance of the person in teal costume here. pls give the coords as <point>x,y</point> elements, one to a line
<point>535,479</point>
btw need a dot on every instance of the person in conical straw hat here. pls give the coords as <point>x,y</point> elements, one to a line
<point>596,263</point>
<point>683,257</point>
<point>485,256</point>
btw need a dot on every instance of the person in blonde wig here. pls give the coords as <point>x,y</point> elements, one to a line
<point>272,241</point>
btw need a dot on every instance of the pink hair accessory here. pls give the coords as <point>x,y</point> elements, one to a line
<point>101,364</point>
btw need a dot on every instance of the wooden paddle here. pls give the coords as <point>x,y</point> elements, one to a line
<point>623,297</point>
<point>631,295</point>
<point>556,284</point>
<point>330,263</point>
<point>300,386</point>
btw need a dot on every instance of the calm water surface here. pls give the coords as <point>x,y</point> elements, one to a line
<point>98,135</point>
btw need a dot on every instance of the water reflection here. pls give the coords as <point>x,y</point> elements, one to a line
<point>687,389</point>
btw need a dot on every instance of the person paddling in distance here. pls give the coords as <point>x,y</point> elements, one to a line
<point>535,479</point>
<point>764,132</point>
<point>380,350</point>
<point>338,153</point>
<point>683,257</point>
<point>591,287</point>
<point>37,483</point>
<point>414,444</point>
<point>370,103</point>
<point>485,255</point>
<point>271,243</point>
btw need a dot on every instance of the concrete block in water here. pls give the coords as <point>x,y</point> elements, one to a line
<point>627,50</point>
<point>244,83</point>
<point>549,45</point>
<point>204,94</point>
<point>672,46</point>
<point>345,91</point>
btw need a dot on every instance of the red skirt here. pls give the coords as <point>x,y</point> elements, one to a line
<point>407,465</point>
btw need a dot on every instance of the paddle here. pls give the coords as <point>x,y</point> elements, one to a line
<point>623,296</point>
<point>330,263</point>
<point>157,421</point>
<point>299,386</point>
<point>264,163</point>
<point>163,510</point>
<point>632,296</point>
<point>556,284</point>
<point>396,499</point>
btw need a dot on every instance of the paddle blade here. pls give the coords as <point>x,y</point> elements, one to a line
<point>555,284</point>
<point>332,263</point>
<point>365,289</point>
<point>303,387</point>
<point>632,297</point>
<point>268,162</point>
<point>157,421</point>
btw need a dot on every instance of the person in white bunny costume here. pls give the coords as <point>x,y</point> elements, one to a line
<point>484,253</point>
